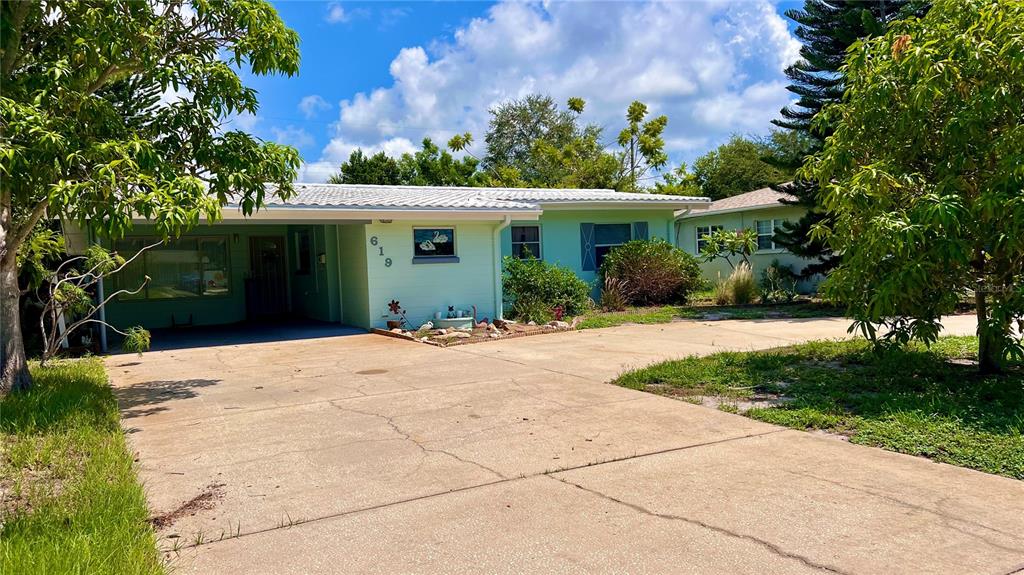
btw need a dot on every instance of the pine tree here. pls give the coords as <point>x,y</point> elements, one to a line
<point>827,28</point>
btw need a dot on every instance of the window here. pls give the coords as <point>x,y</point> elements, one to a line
<point>189,267</point>
<point>526,241</point>
<point>702,233</point>
<point>433,243</point>
<point>608,237</point>
<point>302,253</point>
<point>766,233</point>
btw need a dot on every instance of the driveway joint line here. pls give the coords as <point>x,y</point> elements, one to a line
<point>504,479</point>
<point>698,523</point>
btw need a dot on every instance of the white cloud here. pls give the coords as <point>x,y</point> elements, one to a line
<point>292,136</point>
<point>245,122</point>
<point>336,13</point>
<point>715,68</point>
<point>312,105</point>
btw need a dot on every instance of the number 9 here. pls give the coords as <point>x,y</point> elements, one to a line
<point>387,262</point>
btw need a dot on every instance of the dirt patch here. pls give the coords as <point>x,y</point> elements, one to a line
<point>206,500</point>
<point>699,396</point>
<point>21,486</point>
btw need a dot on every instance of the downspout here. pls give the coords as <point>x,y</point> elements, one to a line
<point>496,248</point>
<point>677,226</point>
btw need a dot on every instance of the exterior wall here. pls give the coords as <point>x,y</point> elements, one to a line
<point>426,288</point>
<point>737,221</point>
<point>560,233</point>
<point>320,289</point>
<point>317,294</point>
<point>355,294</point>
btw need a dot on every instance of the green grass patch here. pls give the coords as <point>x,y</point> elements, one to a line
<point>922,401</point>
<point>666,314</point>
<point>71,499</point>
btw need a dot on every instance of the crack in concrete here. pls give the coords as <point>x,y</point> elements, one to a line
<point>947,519</point>
<point>696,522</point>
<point>503,479</point>
<point>408,437</point>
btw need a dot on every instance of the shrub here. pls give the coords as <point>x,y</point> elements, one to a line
<point>742,286</point>
<point>613,294</point>
<point>778,283</point>
<point>655,272</point>
<point>531,285</point>
<point>723,292</point>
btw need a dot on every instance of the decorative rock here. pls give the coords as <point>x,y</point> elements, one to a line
<point>494,335</point>
<point>396,330</point>
<point>424,338</point>
<point>492,328</point>
<point>559,324</point>
<point>441,331</point>
<point>500,323</point>
<point>531,323</point>
<point>576,321</point>
<point>548,326</point>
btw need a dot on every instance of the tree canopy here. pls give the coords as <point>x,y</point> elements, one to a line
<point>926,172</point>
<point>75,146</point>
<point>826,28</point>
<point>741,165</point>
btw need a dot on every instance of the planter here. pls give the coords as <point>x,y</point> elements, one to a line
<point>394,324</point>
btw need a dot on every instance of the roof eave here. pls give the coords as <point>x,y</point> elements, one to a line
<point>734,210</point>
<point>341,213</point>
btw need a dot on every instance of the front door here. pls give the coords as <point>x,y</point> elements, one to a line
<point>266,291</point>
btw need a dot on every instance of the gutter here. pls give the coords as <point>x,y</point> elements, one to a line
<point>677,225</point>
<point>496,260</point>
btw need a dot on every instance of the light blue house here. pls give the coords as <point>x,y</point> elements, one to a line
<point>341,253</point>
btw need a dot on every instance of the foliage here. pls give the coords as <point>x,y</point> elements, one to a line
<point>925,171</point>
<point>434,166</point>
<point>678,182</point>
<point>86,139</point>
<point>532,284</point>
<point>378,169</point>
<point>643,148</point>
<point>722,292</point>
<point>614,295</point>
<point>742,287</point>
<point>72,501</point>
<point>827,29</point>
<point>652,272</point>
<point>736,167</point>
<point>919,401</point>
<point>68,298</point>
<point>528,309</point>
<point>778,283</point>
<point>669,313</point>
<point>729,244</point>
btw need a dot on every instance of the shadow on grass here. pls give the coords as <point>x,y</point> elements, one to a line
<point>65,394</point>
<point>928,402</point>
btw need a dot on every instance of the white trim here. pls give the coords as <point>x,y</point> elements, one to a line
<point>620,205</point>
<point>540,237</point>
<point>280,214</point>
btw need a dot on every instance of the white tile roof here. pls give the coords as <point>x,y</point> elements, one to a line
<point>354,196</point>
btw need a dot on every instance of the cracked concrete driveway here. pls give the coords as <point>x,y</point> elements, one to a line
<point>363,454</point>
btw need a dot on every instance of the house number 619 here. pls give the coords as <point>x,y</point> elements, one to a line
<point>373,242</point>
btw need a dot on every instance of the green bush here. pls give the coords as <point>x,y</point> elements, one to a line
<point>534,288</point>
<point>613,294</point>
<point>653,272</point>
<point>778,283</point>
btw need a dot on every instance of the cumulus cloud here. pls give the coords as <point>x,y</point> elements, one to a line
<point>336,13</point>
<point>312,105</point>
<point>714,68</point>
<point>338,151</point>
<point>292,136</point>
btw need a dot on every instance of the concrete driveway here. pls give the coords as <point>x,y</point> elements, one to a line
<point>363,453</point>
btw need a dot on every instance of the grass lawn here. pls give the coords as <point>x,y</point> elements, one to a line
<point>927,402</point>
<point>665,314</point>
<point>69,498</point>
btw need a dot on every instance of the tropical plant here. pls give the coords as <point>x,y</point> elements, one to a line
<point>925,177</point>
<point>729,244</point>
<point>77,144</point>
<point>652,272</point>
<point>614,294</point>
<point>826,28</point>
<point>643,148</point>
<point>778,283</point>
<point>531,284</point>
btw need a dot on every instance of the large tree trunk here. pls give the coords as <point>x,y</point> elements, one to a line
<point>990,348</point>
<point>14,375</point>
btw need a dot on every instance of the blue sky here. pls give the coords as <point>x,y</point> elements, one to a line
<point>383,75</point>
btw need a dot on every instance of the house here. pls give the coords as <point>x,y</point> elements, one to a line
<point>759,210</point>
<point>341,253</point>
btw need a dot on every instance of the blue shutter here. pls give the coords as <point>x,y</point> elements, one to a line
<point>639,230</point>
<point>589,261</point>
